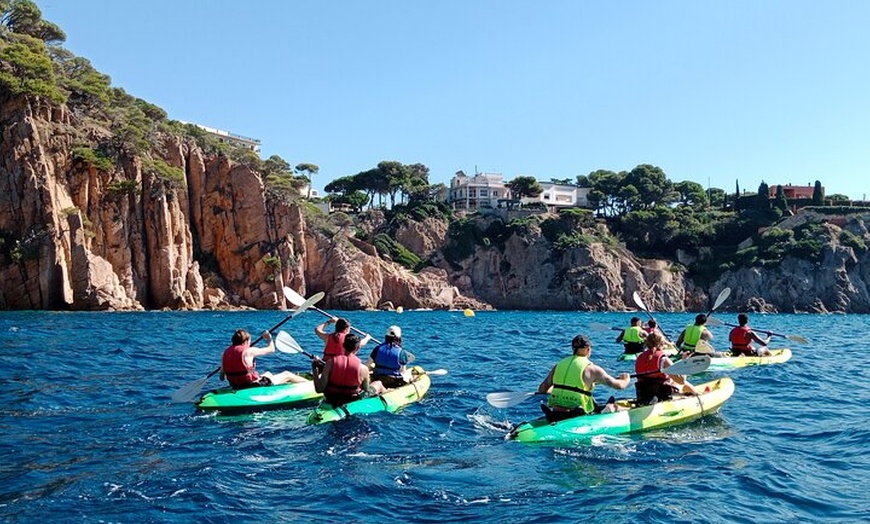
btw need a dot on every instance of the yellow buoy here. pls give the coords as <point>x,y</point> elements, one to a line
<point>400,309</point>
<point>468,313</point>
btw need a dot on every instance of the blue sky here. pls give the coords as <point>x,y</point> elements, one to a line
<point>714,92</point>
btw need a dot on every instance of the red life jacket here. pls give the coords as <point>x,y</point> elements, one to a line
<point>334,346</point>
<point>650,362</point>
<point>344,376</point>
<point>238,374</point>
<point>741,339</point>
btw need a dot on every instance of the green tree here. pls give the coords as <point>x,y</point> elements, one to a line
<point>652,185</point>
<point>308,170</point>
<point>561,181</point>
<point>780,202</point>
<point>763,197</point>
<point>26,69</point>
<point>25,18</point>
<point>818,194</point>
<point>691,194</point>
<point>525,186</point>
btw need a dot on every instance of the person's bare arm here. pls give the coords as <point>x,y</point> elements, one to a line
<point>706,335</point>
<point>758,339</point>
<point>258,352</point>
<point>319,330</point>
<point>620,335</point>
<point>547,384</point>
<point>595,374</point>
<point>321,378</point>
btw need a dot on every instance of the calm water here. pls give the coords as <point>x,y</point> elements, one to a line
<point>88,433</point>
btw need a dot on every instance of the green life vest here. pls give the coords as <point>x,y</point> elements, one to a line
<point>632,335</point>
<point>692,336</point>
<point>569,391</point>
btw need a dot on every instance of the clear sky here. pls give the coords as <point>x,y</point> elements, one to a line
<point>715,92</point>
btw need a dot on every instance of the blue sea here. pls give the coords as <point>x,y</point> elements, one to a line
<point>88,432</point>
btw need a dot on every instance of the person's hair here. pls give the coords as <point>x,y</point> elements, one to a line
<point>341,324</point>
<point>635,321</point>
<point>701,319</point>
<point>580,342</point>
<point>240,337</point>
<point>651,322</point>
<point>654,340</point>
<point>351,343</point>
<point>743,319</point>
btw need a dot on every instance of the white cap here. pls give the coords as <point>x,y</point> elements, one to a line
<point>394,331</point>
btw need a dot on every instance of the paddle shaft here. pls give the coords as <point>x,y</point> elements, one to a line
<point>766,332</point>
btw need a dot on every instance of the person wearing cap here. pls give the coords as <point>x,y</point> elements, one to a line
<point>653,383</point>
<point>741,338</point>
<point>632,337</point>
<point>389,360</point>
<point>693,339</point>
<point>343,378</point>
<point>335,341</point>
<point>239,368</point>
<point>571,381</point>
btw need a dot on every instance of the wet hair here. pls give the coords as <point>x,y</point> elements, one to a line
<point>743,319</point>
<point>654,340</point>
<point>341,324</point>
<point>701,319</point>
<point>240,337</point>
<point>580,342</point>
<point>651,322</point>
<point>351,343</point>
<point>635,321</point>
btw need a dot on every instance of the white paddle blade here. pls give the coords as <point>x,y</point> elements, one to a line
<point>313,299</point>
<point>505,399</point>
<point>437,372</point>
<point>293,297</point>
<point>713,321</point>
<point>797,338</point>
<point>638,301</point>
<point>704,347</point>
<point>690,366</point>
<point>723,296</point>
<point>286,343</point>
<point>190,391</point>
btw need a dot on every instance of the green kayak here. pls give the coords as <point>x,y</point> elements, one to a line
<point>228,400</point>
<point>390,401</point>
<point>680,410</point>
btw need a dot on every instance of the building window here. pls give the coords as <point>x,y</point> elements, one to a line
<point>483,192</point>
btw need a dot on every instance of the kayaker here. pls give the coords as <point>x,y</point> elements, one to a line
<point>343,378</point>
<point>239,368</point>
<point>651,326</point>
<point>691,337</point>
<point>571,381</point>
<point>335,340</point>
<point>652,385</point>
<point>389,360</point>
<point>741,338</point>
<point>632,337</point>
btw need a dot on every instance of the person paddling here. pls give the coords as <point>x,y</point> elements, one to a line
<point>741,338</point>
<point>239,368</point>
<point>632,337</point>
<point>343,378</point>
<point>335,341</point>
<point>652,385</point>
<point>690,340</point>
<point>571,381</point>
<point>389,359</point>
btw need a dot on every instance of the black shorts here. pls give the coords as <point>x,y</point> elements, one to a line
<point>389,382</point>
<point>646,390</point>
<point>633,348</point>
<point>262,382</point>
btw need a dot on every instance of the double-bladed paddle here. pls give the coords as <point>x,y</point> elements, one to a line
<point>639,303</point>
<point>794,338</point>
<point>190,391</point>
<point>690,366</point>
<point>296,299</point>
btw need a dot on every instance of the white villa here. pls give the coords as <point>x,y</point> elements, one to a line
<point>488,190</point>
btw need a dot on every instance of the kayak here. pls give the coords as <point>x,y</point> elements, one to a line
<point>228,400</point>
<point>390,401</point>
<point>777,356</point>
<point>680,410</point>
<point>669,351</point>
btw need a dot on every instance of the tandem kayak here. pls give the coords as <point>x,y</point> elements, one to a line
<point>228,400</point>
<point>636,418</point>
<point>777,356</point>
<point>390,401</point>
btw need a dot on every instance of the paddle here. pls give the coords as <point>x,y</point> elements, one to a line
<point>794,338</point>
<point>723,296</point>
<point>296,299</point>
<point>641,305</point>
<point>690,366</point>
<point>190,391</point>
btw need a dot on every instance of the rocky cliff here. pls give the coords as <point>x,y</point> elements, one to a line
<point>170,228</point>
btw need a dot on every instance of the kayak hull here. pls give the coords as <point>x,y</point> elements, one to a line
<point>642,418</point>
<point>777,356</point>
<point>283,396</point>
<point>671,351</point>
<point>391,401</point>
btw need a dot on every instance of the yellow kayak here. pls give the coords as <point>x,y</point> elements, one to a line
<point>777,356</point>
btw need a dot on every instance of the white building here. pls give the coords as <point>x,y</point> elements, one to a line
<point>483,190</point>
<point>225,136</point>
<point>555,196</point>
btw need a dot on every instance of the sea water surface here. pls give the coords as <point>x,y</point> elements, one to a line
<point>88,432</point>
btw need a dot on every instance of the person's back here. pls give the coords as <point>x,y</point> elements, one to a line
<point>632,337</point>
<point>651,382</point>
<point>234,365</point>
<point>389,360</point>
<point>741,338</point>
<point>344,378</point>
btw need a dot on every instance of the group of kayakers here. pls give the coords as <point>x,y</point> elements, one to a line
<point>340,374</point>
<point>571,381</point>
